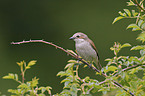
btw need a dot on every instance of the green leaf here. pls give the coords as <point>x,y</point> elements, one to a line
<point>68,92</point>
<point>34,82</point>
<point>140,22</point>
<point>27,67</point>
<point>66,80</point>
<point>122,74</point>
<point>122,14</point>
<point>33,62</point>
<point>69,65</point>
<point>134,13</point>
<point>110,68</point>
<point>108,59</point>
<point>9,76</point>
<point>134,70</point>
<point>134,26</point>
<point>13,91</point>
<point>137,47</point>
<point>130,3</point>
<point>23,85</point>
<point>142,53</point>
<point>20,63</point>
<point>128,12</point>
<point>135,29</point>
<point>43,89</point>
<point>125,45</point>
<point>141,37</point>
<point>73,61</point>
<point>112,48</point>
<point>61,73</point>
<point>16,77</point>
<point>87,78</point>
<point>117,18</point>
<point>143,26</point>
<point>143,17</point>
<point>48,88</point>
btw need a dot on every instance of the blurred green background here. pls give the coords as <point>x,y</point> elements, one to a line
<point>56,21</point>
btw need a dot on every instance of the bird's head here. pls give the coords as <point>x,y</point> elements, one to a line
<point>79,37</point>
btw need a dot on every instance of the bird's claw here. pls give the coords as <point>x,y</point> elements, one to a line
<point>90,65</point>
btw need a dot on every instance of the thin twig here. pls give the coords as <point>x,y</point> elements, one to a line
<point>139,5</point>
<point>102,82</point>
<point>130,67</point>
<point>76,57</point>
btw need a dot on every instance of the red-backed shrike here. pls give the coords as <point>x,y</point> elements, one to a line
<point>86,48</point>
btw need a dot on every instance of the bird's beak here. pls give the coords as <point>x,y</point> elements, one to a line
<point>71,38</point>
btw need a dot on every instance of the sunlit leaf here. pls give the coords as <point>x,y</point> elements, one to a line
<point>125,45</point>
<point>143,26</point>
<point>134,13</point>
<point>16,77</point>
<point>140,22</point>
<point>122,14</point>
<point>137,47</point>
<point>72,61</point>
<point>13,91</point>
<point>130,3</point>
<point>34,82</point>
<point>128,12</point>
<point>23,85</point>
<point>65,80</point>
<point>9,76</point>
<point>43,89</point>
<point>70,51</point>
<point>141,37</point>
<point>61,73</point>
<point>142,53</point>
<point>27,67</point>
<point>134,26</point>
<point>108,59</point>
<point>134,70</point>
<point>48,88</point>
<point>143,17</point>
<point>117,18</point>
<point>33,62</point>
<point>123,74</point>
<point>69,65</point>
<point>112,48</point>
<point>20,63</point>
<point>110,68</point>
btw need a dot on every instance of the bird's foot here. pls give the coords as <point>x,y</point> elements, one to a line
<point>90,65</point>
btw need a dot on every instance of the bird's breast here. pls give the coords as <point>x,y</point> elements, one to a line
<point>85,50</point>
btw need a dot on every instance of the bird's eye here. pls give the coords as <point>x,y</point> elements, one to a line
<point>78,36</point>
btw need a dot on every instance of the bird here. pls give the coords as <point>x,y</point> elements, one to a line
<point>86,49</point>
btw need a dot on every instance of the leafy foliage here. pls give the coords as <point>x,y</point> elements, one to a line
<point>121,69</point>
<point>29,88</point>
<point>138,15</point>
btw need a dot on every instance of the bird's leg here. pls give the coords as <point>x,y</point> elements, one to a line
<point>79,58</point>
<point>90,64</point>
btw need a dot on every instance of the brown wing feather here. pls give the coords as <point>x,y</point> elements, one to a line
<point>94,47</point>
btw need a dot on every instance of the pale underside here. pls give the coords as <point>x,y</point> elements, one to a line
<point>85,50</point>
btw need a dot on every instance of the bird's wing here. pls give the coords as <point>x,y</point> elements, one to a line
<point>94,47</point>
<point>97,61</point>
